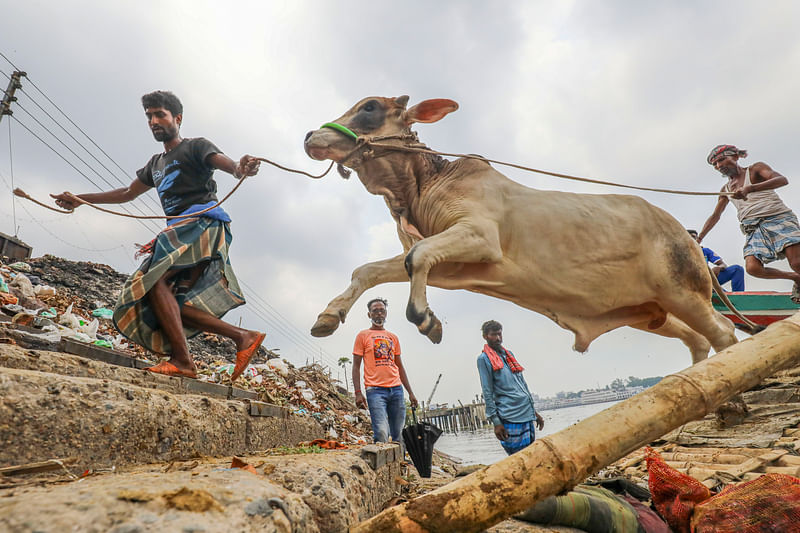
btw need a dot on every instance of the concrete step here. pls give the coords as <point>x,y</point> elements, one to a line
<point>106,422</point>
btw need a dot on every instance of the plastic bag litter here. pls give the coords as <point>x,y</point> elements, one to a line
<point>20,266</point>
<point>308,394</point>
<point>279,366</point>
<point>24,285</point>
<point>249,372</point>
<point>89,328</point>
<point>3,285</point>
<point>103,312</point>
<point>68,319</point>
<point>103,343</point>
<point>44,290</point>
<point>49,313</point>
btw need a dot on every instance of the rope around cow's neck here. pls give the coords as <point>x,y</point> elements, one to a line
<point>365,141</point>
<point>22,194</point>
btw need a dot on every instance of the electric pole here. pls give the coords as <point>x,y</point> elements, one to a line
<point>13,84</point>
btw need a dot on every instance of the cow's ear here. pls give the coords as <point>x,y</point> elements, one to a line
<point>430,110</point>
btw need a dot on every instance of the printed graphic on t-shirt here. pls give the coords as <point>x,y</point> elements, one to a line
<point>384,351</point>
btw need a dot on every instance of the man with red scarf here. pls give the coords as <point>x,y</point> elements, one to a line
<point>509,404</point>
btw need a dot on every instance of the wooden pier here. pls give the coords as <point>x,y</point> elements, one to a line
<point>454,419</point>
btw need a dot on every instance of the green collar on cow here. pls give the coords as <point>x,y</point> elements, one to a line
<point>342,129</point>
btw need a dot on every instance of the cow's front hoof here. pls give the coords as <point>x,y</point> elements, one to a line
<point>325,325</point>
<point>435,334</point>
<point>431,327</point>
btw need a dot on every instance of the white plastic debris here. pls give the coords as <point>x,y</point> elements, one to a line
<point>308,394</point>
<point>23,285</point>
<point>44,290</point>
<point>279,366</point>
<point>69,320</point>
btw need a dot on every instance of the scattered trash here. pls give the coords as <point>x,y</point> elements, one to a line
<point>7,299</point>
<point>20,266</point>
<point>103,343</point>
<point>44,290</point>
<point>239,463</point>
<point>103,312</point>
<point>50,313</point>
<point>3,285</point>
<point>24,286</point>
<point>279,366</point>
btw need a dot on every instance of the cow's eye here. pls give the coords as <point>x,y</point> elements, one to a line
<point>369,108</point>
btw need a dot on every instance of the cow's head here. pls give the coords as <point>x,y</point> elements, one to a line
<point>374,116</point>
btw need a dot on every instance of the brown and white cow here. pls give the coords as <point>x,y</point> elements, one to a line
<point>592,263</point>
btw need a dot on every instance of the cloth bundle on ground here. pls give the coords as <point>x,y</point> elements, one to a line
<point>595,510</point>
<point>768,503</point>
<point>178,248</point>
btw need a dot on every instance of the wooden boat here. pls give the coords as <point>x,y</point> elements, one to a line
<point>761,307</point>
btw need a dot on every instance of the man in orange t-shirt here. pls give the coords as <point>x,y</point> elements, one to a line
<point>384,376</point>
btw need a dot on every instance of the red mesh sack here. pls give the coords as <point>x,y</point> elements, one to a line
<point>768,503</point>
<point>674,495</point>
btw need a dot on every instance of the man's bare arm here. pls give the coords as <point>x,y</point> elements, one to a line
<point>763,178</point>
<point>116,196</point>
<point>404,380</point>
<point>356,375</point>
<point>247,165</point>
<point>722,203</point>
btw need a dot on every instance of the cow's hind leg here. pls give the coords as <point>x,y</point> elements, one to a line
<point>695,310</point>
<point>673,327</point>
<point>364,277</point>
<point>466,242</point>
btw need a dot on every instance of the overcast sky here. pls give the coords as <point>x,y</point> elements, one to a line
<point>635,92</point>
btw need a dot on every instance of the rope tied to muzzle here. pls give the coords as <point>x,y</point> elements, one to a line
<point>22,194</point>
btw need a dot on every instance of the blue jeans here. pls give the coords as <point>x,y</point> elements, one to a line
<point>734,274</point>
<point>387,409</point>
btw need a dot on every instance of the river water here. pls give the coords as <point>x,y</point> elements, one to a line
<point>482,447</point>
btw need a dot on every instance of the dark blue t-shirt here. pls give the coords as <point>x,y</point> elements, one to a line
<point>182,176</point>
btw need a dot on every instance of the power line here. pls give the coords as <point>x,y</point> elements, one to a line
<point>260,307</point>
<point>79,159</point>
<point>110,172</point>
<point>142,222</point>
<point>284,326</point>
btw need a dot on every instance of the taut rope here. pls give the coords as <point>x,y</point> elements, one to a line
<point>22,194</point>
<point>366,141</point>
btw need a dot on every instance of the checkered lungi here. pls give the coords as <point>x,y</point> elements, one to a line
<point>767,237</point>
<point>520,435</point>
<point>178,248</point>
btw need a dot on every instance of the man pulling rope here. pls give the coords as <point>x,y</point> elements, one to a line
<point>186,284</point>
<point>771,229</point>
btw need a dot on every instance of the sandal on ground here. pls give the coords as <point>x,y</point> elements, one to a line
<point>168,369</point>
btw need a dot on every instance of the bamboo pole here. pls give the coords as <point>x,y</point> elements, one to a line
<point>560,461</point>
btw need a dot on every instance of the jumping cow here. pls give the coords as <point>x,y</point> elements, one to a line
<point>591,263</point>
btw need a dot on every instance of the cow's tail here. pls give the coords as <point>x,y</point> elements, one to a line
<point>750,327</point>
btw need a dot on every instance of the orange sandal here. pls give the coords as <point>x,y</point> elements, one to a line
<point>243,357</point>
<point>168,369</point>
